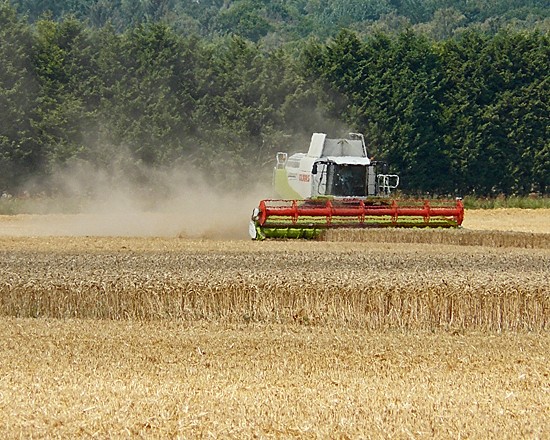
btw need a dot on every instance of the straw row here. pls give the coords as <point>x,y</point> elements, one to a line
<point>461,237</point>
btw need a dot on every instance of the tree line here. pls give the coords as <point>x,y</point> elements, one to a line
<point>463,115</point>
<point>274,21</point>
<point>470,115</point>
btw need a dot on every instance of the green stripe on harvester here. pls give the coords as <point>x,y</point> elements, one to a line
<point>313,231</point>
<point>281,186</point>
<point>307,233</point>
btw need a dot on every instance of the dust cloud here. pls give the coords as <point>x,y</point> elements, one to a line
<point>145,202</point>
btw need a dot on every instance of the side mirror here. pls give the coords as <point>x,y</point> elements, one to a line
<point>314,169</point>
<point>281,160</point>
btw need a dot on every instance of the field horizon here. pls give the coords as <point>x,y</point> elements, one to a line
<point>138,223</point>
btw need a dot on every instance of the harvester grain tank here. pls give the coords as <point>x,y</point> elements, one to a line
<point>336,185</point>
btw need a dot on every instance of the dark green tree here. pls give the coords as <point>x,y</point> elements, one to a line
<point>495,106</point>
<point>391,91</point>
<point>245,19</point>
<point>67,99</point>
<point>21,152</point>
<point>149,86</point>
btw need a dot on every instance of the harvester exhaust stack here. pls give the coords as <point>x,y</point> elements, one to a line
<point>336,185</point>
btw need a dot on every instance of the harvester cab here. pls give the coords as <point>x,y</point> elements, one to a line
<point>336,185</point>
<point>333,168</point>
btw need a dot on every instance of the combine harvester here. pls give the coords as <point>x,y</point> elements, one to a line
<point>336,185</point>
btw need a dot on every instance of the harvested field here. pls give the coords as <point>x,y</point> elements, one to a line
<point>513,219</point>
<point>121,379</point>
<point>174,337</point>
<point>150,224</point>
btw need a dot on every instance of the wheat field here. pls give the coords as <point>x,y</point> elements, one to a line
<point>399,285</point>
<point>391,334</point>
